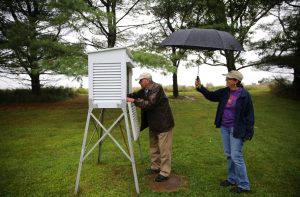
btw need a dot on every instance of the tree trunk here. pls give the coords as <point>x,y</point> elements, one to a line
<point>35,84</point>
<point>296,82</point>
<point>112,24</point>
<point>111,40</point>
<point>175,63</point>
<point>175,85</point>
<point>230,60</point>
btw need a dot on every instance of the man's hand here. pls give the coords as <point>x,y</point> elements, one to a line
<point>131,100</point>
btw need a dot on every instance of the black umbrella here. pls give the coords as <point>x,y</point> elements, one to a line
<point>203,39</point>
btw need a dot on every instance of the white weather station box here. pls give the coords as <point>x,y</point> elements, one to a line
<point>110,73</point>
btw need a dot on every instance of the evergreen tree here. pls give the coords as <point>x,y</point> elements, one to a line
<point>282,48</point>
<point>31,42</point>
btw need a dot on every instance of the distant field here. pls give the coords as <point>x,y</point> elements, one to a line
<point>40,146</point>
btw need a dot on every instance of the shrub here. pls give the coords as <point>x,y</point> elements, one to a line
<point>82,91</point>
<point>49,94</point>
<point>284,88</point>
<point>168,88</point>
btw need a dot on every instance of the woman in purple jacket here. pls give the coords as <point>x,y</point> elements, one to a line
<point>235,117</point>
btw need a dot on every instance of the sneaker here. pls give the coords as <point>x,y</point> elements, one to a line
<point>161,178</point>
<point>226,183</point>
<point>152,171</point>
<point>239,190</point>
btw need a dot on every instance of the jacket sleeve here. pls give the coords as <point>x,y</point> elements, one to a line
<point>210,95</point>
<point>152,100</point>
<point>136,95</point>
<point>249,119</point>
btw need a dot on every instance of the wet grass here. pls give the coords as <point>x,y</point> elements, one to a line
<point>40,146</point>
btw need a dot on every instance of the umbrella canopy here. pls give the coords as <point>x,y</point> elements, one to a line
<point>203,39</point>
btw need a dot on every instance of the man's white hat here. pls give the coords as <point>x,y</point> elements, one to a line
<point>144,76</point>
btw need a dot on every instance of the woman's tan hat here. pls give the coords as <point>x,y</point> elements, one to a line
<point>235,75</point>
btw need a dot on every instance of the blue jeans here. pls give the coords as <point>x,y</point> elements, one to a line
<point>233,149</point>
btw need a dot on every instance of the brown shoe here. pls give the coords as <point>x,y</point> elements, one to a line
<point>161,178</point>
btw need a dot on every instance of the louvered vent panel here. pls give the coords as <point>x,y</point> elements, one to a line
<point>107,81</point>
<point>134,121</point>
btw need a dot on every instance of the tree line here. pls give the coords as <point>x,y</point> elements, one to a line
<point>34,34</point>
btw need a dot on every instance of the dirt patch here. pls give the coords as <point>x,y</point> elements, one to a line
<point>174,183</point>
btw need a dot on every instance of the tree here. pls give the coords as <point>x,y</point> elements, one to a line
<point>169,16</point>
<point>282,50</point>
<point>31,42</point>
<point>100,24</point>
<point>234,16</point>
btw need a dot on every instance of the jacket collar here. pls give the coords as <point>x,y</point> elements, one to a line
<point>151,86</point>
<point>243,92</point>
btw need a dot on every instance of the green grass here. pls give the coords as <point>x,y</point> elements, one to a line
<point>40,146</point>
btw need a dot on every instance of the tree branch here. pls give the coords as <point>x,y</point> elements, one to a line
<point>293,5</point>
<point>282,24</point>
<point>242,11</point>
<point>128,11</point>
<point>134,26</point>
<point>210,64</point>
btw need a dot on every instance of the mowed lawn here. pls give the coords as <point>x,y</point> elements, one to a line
<point>40,147</point>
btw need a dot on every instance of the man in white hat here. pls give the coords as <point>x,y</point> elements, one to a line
<point>157,115</point>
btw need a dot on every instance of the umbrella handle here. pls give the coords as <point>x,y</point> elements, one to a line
<point>197,78</point>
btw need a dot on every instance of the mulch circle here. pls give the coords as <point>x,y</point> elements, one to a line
<point>174,183</point>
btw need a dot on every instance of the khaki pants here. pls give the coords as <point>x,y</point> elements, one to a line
<point>160,151</point>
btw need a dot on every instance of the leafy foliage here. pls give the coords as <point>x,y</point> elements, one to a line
<point>31,41</point>
<point>152,60</point>
<point>235,17</point>
<point>100,24</point>
<point>282,50</point>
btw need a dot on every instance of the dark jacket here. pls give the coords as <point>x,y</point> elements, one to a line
<point>155,109</point>
<point>244,113</point>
